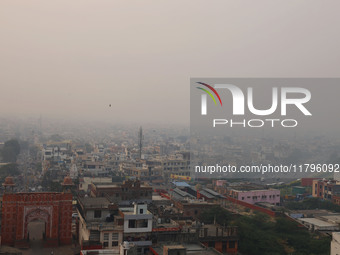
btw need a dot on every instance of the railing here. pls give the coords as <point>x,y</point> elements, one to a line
<point>103,226</point>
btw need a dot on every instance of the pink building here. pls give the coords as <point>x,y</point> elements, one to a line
<point>271,196</point>
<point>220,183</point>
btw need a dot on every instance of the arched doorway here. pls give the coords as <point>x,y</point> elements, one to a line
<point>37,226</point>
<point>19,209</point>
<point>36,232</point>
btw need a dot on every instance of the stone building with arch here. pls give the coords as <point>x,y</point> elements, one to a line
<point>54,209</point>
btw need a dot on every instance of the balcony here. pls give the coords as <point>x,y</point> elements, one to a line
<point>103,226</point>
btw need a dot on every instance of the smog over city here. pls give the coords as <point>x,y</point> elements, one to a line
<point>169,127</point>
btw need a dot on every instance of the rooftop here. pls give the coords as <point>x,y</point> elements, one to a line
<point>94,202</point>
<point>191,248</point>
<point>335,218</point>
<point>317,222</point>
<point>181,184</point>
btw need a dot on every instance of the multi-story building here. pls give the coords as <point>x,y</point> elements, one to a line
<point>137,226</point>
<point>84,182</point>
<point>271,196</point>
<point>143,170</point>
<point>176,164</point>
<point>223,239</point>
<point>100,225</point>
<point>128,167</point>
<point>97,168</point>
<point>123,194</point>
<point>308,182</point>
<point>325,189</point>
<point>56,151</point>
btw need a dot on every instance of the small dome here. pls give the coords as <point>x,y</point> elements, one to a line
<point>8,181</point>
<point>67,181</point>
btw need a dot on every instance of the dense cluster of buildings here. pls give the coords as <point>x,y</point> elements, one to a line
<point>110,198</point>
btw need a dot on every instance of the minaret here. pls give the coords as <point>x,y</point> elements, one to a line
<point>67,184</point>
<point>9,183</point>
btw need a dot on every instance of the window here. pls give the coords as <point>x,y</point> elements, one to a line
<point>115,236</point>
<point>106,236</point>
<point>106,244</point>
<point>132,223</point>
<point>141,224</point>
<point>242,198</point>
<point>211,244</point>
<point>224,247</point>
<point>114,243</point>
<point>97,213</point>
<point>141,211</point>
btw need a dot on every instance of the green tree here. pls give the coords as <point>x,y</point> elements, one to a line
<point>218,214</point>
<point>10,151</point>
<point>259,234</point>
<point>8,170</point>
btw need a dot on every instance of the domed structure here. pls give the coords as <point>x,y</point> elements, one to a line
<point>67,184</point>
<point>8,182</point>
<point>67,181</point>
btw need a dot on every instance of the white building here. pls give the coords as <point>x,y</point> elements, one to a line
<point>137,226</point>
<point>316,224</point>
<point>335,244</point>
<point>74,171</point>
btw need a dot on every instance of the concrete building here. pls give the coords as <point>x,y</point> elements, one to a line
<point>96,168</point>
<point>316,224</point>
<point>176,248</point>
<point>325,189</point>
<point>335,244</point>
<point>223,239</point>
<point>143,170</point>
<point>123,194</point>
<point>308,182</point>
<point>298,190</point>
<point>137,226</point>
<point>100,224</point>
<point>84,182</point>
<point>271,196</point>
<point>176,164</point>
<point>74,171</point>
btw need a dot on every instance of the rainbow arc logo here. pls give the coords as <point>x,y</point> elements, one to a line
<point>209,93</point>
<point>204,97</point>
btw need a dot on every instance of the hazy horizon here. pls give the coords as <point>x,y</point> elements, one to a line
<point>72,59</point>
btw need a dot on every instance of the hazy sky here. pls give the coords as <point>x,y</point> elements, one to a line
<point>71,59</point>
